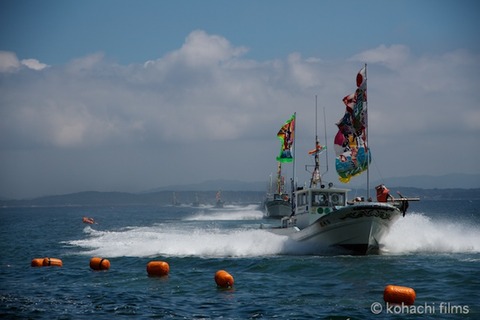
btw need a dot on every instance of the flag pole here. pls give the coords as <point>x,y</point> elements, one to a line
<point>294,146</point>
<point>366,133</point>
<point>325,133</point>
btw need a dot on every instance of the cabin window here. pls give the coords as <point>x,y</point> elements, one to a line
<point>337,199</point>
<point>319,200</point>
<point>302,199</point>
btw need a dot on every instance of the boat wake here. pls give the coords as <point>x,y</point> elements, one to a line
<point>199,235</point>
<point>418,233</point>
<point>228,213</point>
<point>172,240</point>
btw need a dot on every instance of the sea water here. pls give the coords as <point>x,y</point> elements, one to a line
<point>434,249</point>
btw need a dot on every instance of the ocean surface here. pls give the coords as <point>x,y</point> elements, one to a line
<point>435,250</point>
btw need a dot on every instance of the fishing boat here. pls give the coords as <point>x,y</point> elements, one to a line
<point>88,220</point>
<point>175,201</point>
<point>196,202</point>
<point>323,218</point>
<point>277,203</point>
<point>218,200</point>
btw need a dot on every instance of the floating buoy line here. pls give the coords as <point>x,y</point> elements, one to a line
<point>392,293</point>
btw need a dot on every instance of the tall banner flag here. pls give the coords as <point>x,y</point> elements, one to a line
<point>286,136</point>
<point>352,154</point>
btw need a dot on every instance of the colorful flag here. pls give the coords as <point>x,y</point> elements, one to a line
<point>286,136</point>
<point>353,155</point>
<point>362,78</point>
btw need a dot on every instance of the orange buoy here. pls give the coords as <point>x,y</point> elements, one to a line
<point>97,263</point>
<point>158,268</point>
<point>224,279</point>
<point>52,262</point>
<point>37,262</point>
<point>399,294</point>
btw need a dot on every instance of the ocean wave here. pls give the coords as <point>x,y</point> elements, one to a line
<point>176,240</point>
<point>417,232</point>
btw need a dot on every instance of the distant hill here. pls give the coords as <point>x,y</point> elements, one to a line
<point>215,185</point>
<point>451,186</point>
<point>448,181</point>
<point>94,198</point>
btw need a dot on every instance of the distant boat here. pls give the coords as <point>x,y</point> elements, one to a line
<point>323,218</point>
<point>175,201</point>
<point>196,202</point>
<point>277,203</point>
<point>88,220</point>
<point>219,202</point>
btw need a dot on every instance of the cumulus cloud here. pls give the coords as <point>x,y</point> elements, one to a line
<point>207,99</point>
<point>200,50</point>
<point>10,63</point>
<point>392,57</point>
<point>206,90</point>
<point>34,64</point>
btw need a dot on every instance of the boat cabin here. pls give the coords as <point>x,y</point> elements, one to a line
<point>318,202</point>
<point>321,197</point>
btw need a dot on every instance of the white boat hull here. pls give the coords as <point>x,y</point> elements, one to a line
<point>357,229</point>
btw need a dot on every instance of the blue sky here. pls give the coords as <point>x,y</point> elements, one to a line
<point>132,95</point>
<point>135,31</point>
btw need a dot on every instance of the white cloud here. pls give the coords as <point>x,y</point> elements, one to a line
<point>392,57</point>
<point>8,61</point>
<point>86,63</point>
<point>209,101</point>
<point>200,50</point>
<point>303,71</point>
<point>34,64</point>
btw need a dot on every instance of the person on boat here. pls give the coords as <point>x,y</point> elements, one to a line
<point>383,194</point>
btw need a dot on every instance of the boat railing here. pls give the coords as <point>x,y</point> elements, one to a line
<point>288,222</point>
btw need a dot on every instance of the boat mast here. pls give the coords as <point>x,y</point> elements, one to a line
<point>367,149</point>
<point>325,133</point>
<point>279,178</point>
<point>316,178</point>
<point>292,181</point>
